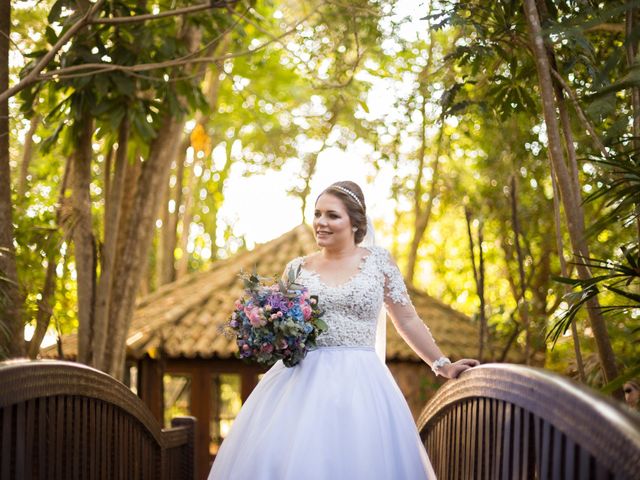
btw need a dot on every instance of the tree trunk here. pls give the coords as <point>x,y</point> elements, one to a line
<point>573,210</point>
<point>168,235</point>
<point>109,249</point>
<point>564,272</point>
<point>423,212</point>
<point>396,184</point>
<point>131,180</point>
<point>164,258</point>
<point>308,171</point>
<point>478,276</point>
<point>11,321</point>
<point>187,215</point>
<point>170,269</point>
<point>631,51</point>
<point>521,298</point>
<point>83,239</point>
<point>309,166</point>
<point>218,199</point>
<point>45,309</point>
<point>27,154</point>
<point>151,186</point>
<point>108,161</point>
<point>483,316</point>
<point>573,165</point>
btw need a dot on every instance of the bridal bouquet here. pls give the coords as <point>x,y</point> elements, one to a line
<point>275,321</point>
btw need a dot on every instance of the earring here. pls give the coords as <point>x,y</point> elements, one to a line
<point>355,229</point>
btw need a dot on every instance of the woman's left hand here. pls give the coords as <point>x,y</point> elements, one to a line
<point>456,368</point>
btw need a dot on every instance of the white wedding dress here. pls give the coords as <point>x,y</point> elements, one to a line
<point>339,413</point>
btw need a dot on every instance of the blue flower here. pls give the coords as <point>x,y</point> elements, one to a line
<point>296,312</point>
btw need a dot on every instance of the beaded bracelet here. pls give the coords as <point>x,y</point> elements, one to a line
<point>439,363</point>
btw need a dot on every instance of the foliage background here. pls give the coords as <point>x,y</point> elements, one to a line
<point>435,103</point>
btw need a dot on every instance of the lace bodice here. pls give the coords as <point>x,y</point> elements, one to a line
<point>352,308</point>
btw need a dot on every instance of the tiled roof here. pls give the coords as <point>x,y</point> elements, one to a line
<point>182,319</point>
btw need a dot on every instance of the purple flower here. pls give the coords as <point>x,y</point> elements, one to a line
<point>276,301</point>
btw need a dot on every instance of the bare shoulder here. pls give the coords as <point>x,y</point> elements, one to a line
<point>309,260</point>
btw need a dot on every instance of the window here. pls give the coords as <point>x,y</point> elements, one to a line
<point>226,402</point>
<point>177,396</point>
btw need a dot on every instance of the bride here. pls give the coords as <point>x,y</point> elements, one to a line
<point>338,414</point>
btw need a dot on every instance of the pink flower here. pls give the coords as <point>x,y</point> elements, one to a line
<point>255,318</point>
<point>306,311</point>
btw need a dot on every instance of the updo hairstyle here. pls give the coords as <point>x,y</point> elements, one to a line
<point>357,214</point>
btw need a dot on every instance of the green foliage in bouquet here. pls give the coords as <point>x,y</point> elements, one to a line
<point>275,320</point>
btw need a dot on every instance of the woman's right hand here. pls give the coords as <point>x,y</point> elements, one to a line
<point>452,370</point>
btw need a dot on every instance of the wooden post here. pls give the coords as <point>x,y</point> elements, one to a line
<point>201,409</point>
<point>248,381</point>
<point>151,387</point>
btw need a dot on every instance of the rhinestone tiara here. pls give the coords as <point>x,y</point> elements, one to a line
<point>350,193</point>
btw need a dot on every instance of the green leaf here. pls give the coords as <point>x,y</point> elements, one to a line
<point>631,296</point>
<point>54,13</point>
<point>125,85</point>
<point>601,106</point>
<point>322,325</point>
<point>52,139</point>
<point>620,380</point>
<point>294,275</point>
<point>36,53</point>
<point>570,281</point>
<point>142,127</point>
<point>115,117</point>
<point>50,35</point>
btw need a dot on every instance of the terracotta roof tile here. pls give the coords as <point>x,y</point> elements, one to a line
<point>183,318</point>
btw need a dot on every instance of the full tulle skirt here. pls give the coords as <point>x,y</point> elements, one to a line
<point>338,414</point>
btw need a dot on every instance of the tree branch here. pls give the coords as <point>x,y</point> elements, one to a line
<point>32,77</point>
<point>587,123</point>
<point>156,16</point>
<point>88,19</point>
<point>245,17</point>
<point>606,27</point>
<point>94,68</point>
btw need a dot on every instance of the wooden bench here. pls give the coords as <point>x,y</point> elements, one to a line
<point>501,421</point>
<point>66,421</point>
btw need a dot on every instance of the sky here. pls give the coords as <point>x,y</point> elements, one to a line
<point>276,212</point>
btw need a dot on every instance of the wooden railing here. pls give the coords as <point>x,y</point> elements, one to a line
<point>62,420</point>
<point>501,421</point>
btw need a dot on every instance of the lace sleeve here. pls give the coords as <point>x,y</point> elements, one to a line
<point>395,291</point>
<point>403,314</point>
